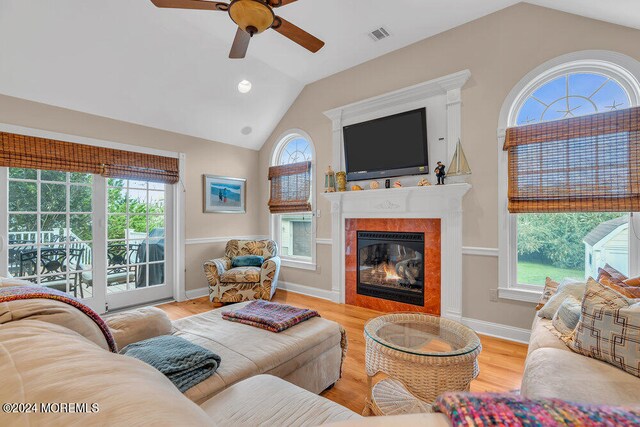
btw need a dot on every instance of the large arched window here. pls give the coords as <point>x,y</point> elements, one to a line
<point>534,246</point>
<point>295,232</point>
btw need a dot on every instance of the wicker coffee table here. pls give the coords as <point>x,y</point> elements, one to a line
<point>421,356</point>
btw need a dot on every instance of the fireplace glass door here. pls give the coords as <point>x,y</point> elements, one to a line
<point>391,266</point>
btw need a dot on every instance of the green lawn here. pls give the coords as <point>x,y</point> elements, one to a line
<point>535,274</point>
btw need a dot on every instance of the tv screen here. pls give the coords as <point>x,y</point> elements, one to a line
<point>387,147</point>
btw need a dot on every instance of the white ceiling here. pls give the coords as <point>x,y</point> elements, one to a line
<point>168,69</point>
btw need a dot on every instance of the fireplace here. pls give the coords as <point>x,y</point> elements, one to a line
<point>391,266</point>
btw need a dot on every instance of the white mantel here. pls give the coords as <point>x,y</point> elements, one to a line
<point>443,202</point>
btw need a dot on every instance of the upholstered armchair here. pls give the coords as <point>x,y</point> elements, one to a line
<point>227,285</point>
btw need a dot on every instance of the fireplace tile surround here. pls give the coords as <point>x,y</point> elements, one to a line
<point>435,209</point>
<point>431,262</point>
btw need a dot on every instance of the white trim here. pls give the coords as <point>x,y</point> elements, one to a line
<point>498,330</point>
<point>324,242</point>
<point>293,263</point>
<point>179,232</point>
<point>309,291</point>
<point>624,69</point>
<point>223,239</point>
<point>473,250</point>
<point>20,130</point>
<point>197,293</point>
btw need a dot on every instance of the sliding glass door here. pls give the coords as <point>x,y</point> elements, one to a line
<point>101,240</point>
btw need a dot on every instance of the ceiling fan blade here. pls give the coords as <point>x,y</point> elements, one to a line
<point>280,3</point>
<point>192,4</point>
<point>297,34</point>
<point>240,44</point>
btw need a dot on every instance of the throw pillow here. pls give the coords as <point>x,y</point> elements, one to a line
<point>566,318</point>
<point>550,288</point>
<point>609,328</point>
<point>632,281</point>
<point>627,291</point>
<point>607,270</point>
<point>565,290</point>
<point>247,261</point>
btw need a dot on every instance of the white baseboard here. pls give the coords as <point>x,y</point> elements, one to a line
<point>197,293</point>
<point>309,291</point>
<point>324,241</point>
<point>498,330</point>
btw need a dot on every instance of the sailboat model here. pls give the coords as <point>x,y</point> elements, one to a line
<point>459,165</point>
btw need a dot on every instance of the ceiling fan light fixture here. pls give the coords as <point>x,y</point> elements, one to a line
<point>253,16</point>
<point>244,86</point>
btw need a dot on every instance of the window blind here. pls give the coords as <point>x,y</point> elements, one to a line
<point>21,151</point>
<point>290,188</point>
<point>582,164</point>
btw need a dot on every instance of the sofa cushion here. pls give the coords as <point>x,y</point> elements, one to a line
<point>137,325</point>
<point>247,261</point>
<point>554,373</point>
<point>566,318</point>
<point>265,400</point>
<point>545,335</point>
<point>43,362</point>
<point>241,275</point>
<point>550,289</point>
<point>248,351</point>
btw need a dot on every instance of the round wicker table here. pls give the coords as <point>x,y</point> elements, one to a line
<point>421,357</point>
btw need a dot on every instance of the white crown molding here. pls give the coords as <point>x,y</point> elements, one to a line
<point>222,239</point>
<point>324,242</point>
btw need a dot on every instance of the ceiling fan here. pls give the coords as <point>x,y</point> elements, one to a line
<point>252,17</point>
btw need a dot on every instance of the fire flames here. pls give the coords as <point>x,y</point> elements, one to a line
<point>390,272</point>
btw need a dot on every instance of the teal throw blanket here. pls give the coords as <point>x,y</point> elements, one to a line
<point>184,363</point>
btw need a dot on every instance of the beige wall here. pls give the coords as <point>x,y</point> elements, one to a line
<point>499,49</point>
<point>203,157</point>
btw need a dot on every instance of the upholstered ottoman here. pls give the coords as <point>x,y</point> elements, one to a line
<point>308,355</point>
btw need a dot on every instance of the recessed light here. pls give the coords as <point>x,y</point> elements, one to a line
<point>244,86</point>
<point>246,130</point>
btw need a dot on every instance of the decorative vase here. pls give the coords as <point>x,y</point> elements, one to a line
<point>329,181</point>
<point>341,181</point>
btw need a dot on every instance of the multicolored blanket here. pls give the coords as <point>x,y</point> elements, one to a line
<point>271,316</point>
<point>491,409</point>
<point>14,293</point>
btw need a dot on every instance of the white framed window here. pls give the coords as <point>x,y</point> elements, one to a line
<point>565,245</point>
<point>295,233</point>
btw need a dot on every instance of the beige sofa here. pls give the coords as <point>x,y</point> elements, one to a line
<point>553,371</point>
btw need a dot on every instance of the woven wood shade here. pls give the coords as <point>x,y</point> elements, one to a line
<point>290,188</point>
<point>20,151</point>
<point>583,164</point>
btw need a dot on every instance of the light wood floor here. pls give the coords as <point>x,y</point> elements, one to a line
<point>501,362</point>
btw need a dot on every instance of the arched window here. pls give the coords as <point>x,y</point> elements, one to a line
<point>295,232</point>
<point>534,246</point>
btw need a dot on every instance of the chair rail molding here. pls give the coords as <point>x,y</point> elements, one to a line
<point>443,202</point>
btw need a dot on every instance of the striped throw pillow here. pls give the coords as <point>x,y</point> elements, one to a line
<point>566,318</point>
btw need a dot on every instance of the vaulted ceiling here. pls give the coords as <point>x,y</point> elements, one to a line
<point>169,69</point>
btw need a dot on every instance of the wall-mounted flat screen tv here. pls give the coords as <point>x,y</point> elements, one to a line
<point>387,147</point>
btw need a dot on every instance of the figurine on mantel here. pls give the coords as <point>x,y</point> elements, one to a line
<point>424,182</point>
<point>374,185</point>
<point>397,184</point>
<point>440,173</point>
<point>356,188</point>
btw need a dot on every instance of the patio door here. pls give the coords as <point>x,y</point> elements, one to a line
<point>102,241</point>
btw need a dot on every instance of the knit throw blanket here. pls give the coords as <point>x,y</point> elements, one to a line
<point>271,316</point>
<point>491,409</point>
<point>14,293</point>
<point>184,363</point>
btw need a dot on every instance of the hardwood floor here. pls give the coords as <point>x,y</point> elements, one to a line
<point>501,362</point>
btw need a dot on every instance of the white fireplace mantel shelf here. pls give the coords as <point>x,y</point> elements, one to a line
<point>437,201</point>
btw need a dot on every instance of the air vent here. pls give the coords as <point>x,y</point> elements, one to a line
<point>379,34</point>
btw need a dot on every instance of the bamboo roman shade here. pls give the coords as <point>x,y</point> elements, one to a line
<point>290,188</point>
<point>582,164</point>
<point>20,151</point>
